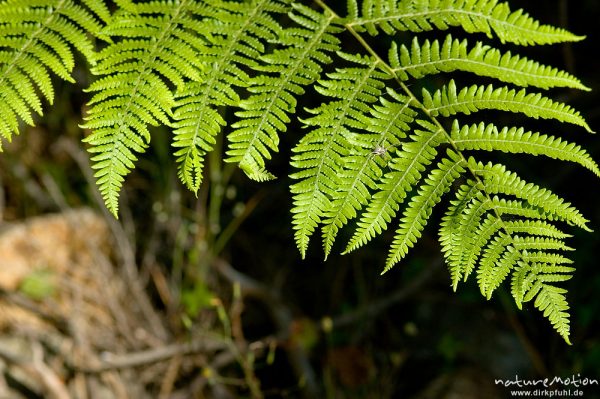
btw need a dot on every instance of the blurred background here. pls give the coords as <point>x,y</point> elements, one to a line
<point>207,297</point>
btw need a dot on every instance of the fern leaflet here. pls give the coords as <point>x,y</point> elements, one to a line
<point>36,40</point>
<point>134,91</point>
<point>320,154</point>
<point>289,69</point>
<point>449,101</point>
<point>236,33</point>
<point>432,57</point>
<point>486,16</point>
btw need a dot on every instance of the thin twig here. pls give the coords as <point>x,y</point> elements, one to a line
<point>110,361</point>
<point>282,316</point>
<point>122,242</point>
<point>166,387</point>
<point>38,370</point>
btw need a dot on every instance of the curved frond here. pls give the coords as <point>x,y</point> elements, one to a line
<point>296,64</point>
<point>449,101</point>
<point>552,302</point>
<point>147,56</point>
<point>386,126</point>
<point>320,154</point>
<point>420,206</point>
<point>236,33</point>
<point>451,236</point>
<point>37,39</point>
<point>498,180</point>
<point>486,16</point>
<point>497,260</point>
<point>375,155</point>
<point>406,171</point>
<point>428,58</point>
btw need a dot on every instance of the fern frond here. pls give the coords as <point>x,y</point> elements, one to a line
<point>497,260</point>
<point>552,302</point>
<point>237,33</point>
<point>486,16</point>
<point>532,242</point>
<point>535,227</point>
<point>451,236</point>
<point>406,170</point>
<point>516,140</point>
<point>449,101</point>
<point>419,208</point>
<point>371,152</point>
<point>320,154</point>
<point>432,57</point>
<point>386,126</point>
<point>498,180</point>
<point>284,74</point>
<point>473,234</point>
<point>133,92</point>
<point>37,38</point>
<point>529,278</point>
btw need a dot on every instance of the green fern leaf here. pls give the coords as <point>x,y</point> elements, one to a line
<point>405,172</point>
<point>236,33</point>
<point>474,234</point>
<point>373,152</point>
<point>387,125</point>
<point>420,206</point>
<point>529,278</point>
<point>449,101</point>
<point>450,234</point>
<point>497,260</point>
<point>432,57</point>
<point>552,302</point>
<point>286,71</point>
<point>499,180</point>
<point>517,140</point>
<point>486,16</point>
<point>522,243</point>
<point>320,153</point>
<point>147,56</point>
<point>37,38</point>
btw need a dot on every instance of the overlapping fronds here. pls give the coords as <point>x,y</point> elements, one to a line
<point>384,143</point>
<point>335,131</point>
<point>154,46</point>
<point>384,166</point>
<point>237,33</point>
<point>37,39</point>
<point>297,63</point>
<point>406,170</point>
<point>386,125</point>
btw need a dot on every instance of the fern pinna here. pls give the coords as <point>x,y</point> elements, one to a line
<point>37,38</point>
<point>377,152</point>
